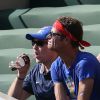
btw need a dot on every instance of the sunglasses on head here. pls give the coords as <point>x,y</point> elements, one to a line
<point>52,34</point>
<point>39,42</point>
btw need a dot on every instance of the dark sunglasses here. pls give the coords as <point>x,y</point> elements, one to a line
<point>51,34</point>
<point>39,43</point>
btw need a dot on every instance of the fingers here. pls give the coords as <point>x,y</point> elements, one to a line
<point>26,58</point>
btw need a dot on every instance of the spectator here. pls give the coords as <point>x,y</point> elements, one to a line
<point>38,81</point>
<point>79,70</point>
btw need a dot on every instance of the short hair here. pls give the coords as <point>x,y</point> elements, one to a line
<point>74,26</point>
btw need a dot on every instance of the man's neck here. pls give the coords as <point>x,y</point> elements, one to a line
<point>69,58</point>
<point>47,64</point>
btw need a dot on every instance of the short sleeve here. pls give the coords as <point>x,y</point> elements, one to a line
<point>27,86</point>
<point>56,72</point>
<point>86,69</point>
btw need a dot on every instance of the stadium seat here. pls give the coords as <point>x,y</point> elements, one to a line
<point>41,16</point>
<point>92,34</point>
<point>15,18</point>
<point>20,12</point>
<point>15,38</point>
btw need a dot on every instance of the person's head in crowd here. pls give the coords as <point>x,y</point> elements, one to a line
<point>39,44</point>
<point>67,29</point>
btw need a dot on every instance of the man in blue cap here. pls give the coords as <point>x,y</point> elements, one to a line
<point>38,81</point>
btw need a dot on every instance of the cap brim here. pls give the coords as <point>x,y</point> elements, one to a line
<point>33,36</point>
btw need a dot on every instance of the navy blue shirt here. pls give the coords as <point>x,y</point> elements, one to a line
<point>39,84</point>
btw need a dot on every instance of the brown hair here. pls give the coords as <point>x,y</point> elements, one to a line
<point>74,27</point>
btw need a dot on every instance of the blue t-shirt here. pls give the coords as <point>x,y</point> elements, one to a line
<point>39,84</point>
<point>85,66</point>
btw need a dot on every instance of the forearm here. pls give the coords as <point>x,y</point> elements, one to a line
<point>61,96</point>
<point>83,96</point>
<point>85,89</point>
<point>60,92</point>
<point>16,88</point>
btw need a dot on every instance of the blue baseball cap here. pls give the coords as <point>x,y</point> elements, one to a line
<point>41,34</point>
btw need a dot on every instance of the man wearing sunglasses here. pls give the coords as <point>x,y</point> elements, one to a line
<point>78,70</point>
<point>38,81</point>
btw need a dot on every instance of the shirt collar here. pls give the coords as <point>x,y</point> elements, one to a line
<point>42,69</point>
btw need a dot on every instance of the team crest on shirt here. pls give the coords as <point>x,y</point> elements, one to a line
<point>71,86</point>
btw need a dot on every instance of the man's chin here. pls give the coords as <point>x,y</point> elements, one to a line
<point>38,61</point>
<point>51,48</point>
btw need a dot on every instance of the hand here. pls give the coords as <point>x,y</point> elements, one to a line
<point>23,70</point>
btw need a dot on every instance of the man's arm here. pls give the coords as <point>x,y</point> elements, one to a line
<point>60,92</point>
<point>16,90</point>
<point>85,89</point>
